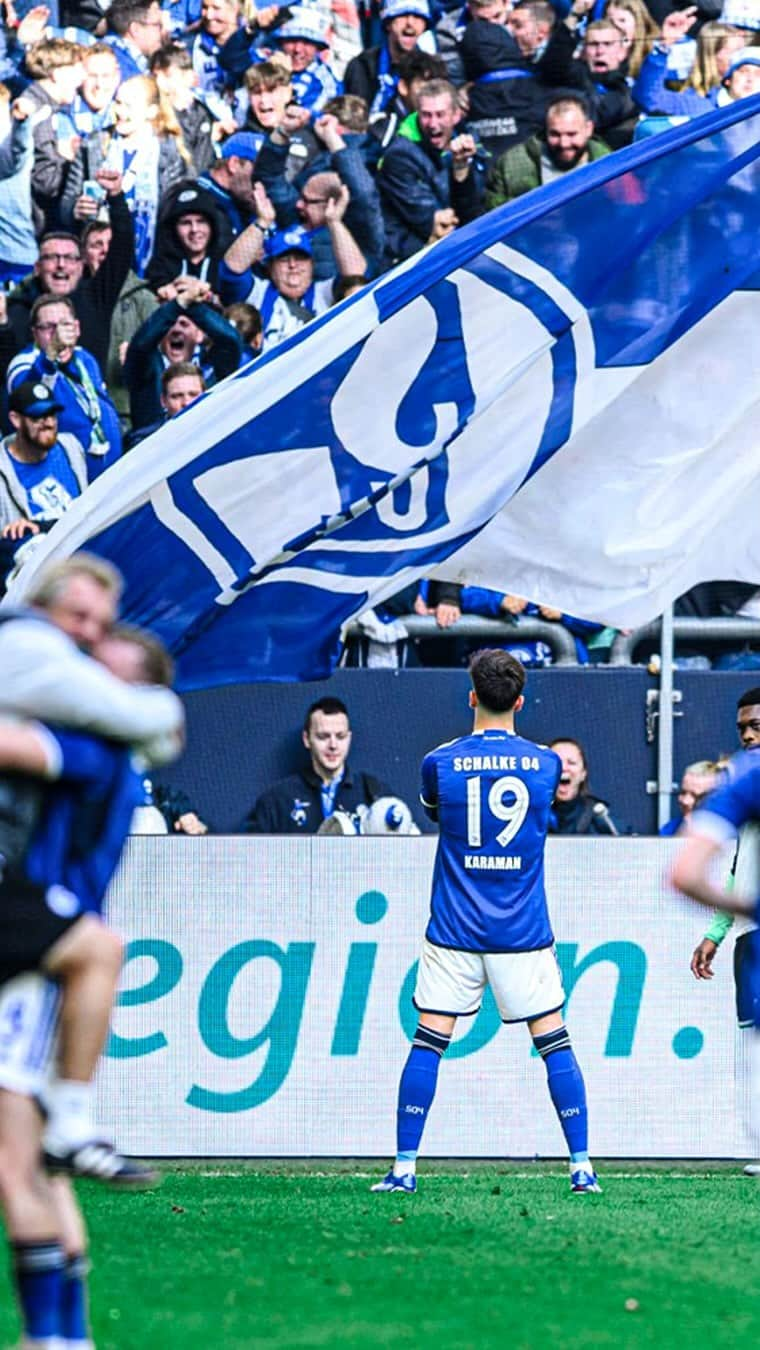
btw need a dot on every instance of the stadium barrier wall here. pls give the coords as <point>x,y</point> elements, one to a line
<point>266,1007</point>
<point>243,737</point>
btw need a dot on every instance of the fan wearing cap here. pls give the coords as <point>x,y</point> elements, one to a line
<point>743,75</point>
<point>373,75</point>
<point>742,14</point>
<point>304,40</point>
<point>230,182</point>
<point>287,296</point>
<point>42,470</point>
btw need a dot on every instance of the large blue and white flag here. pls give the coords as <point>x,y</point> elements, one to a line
<point>559,400</point>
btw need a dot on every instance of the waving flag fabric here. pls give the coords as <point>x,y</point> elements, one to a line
<point>558,400</point>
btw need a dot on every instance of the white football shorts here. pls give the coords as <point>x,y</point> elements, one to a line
<point>29,1007</point>
<point>524,984</point>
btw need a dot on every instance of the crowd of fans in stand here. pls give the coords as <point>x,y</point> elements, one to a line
<point>184,185</point>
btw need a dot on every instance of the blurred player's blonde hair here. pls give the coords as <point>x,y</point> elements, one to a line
<point>53,581</point>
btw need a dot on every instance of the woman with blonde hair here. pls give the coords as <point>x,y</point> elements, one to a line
<point>713,81</point>
<point>146,147</point>
<point>641,32</point>
<point>716,44</point>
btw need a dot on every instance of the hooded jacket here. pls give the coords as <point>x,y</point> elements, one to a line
<point>169,259</point>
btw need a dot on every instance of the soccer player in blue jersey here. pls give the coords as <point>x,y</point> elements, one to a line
<point>735,803</point>
<point>92,791</point>
<point>491,793</point>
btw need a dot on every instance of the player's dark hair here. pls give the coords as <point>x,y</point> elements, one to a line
<point>498,679</point>
<point>747,699</point>
<point>326,705</point>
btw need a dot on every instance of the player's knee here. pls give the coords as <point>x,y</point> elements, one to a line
<point>426,1038</point>
<point>549,1042</point>
<point>111,948</point>
<point>88,943</point>
<point>17,1172</point>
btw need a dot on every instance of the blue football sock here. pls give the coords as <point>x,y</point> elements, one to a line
<point>567,1090</point>
<point>416,1092</point>
<point>74,1300</point>
<point>38,1271</point>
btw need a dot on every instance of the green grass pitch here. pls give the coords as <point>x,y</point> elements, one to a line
<point>226,1256</point>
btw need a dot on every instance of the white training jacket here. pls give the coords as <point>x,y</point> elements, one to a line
<point>44,675</point>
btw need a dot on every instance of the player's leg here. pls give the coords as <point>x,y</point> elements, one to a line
<point>747,1043</point>
<point>74,1303</point>
<point>527,987</point>
<point>449,985</point>
<point>568,1093</point>
<point>30,1220</point>
<point>28,1006</point>
<point>86,960</point>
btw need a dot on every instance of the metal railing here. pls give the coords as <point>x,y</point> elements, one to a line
<point>684,630</point>
<point>554,635</point>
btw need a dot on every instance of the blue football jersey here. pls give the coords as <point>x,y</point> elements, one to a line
<point>734,803</point>
<point>491,793</point>
<point>86,817</point>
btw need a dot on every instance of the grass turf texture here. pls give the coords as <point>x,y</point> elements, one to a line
<point>225,1256</point>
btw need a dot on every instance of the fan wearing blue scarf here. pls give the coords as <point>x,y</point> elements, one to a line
<point>374,74</point>
<point>304,40</point>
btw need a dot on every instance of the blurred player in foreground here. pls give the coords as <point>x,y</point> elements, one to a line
<point>713,825</point>
<point>88,804</point>
<point>744,878</point>
<point>491,793</point>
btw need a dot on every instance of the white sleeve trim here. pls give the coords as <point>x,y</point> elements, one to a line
<point>52,749</point>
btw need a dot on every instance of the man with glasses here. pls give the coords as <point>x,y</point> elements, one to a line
<point>135,31</point>
<point>601,73</point>
<point>59,272</point>
<point>56,360</point>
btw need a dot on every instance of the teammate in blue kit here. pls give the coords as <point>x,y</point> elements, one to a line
<point>714,824</point>
<point>86,809</point>
<point>491,794</point>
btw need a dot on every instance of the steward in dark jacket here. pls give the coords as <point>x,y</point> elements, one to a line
<point>294,805</point>
<point>584,814</point>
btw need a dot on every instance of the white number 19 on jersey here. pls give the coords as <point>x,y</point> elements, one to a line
<point>512,812</point>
